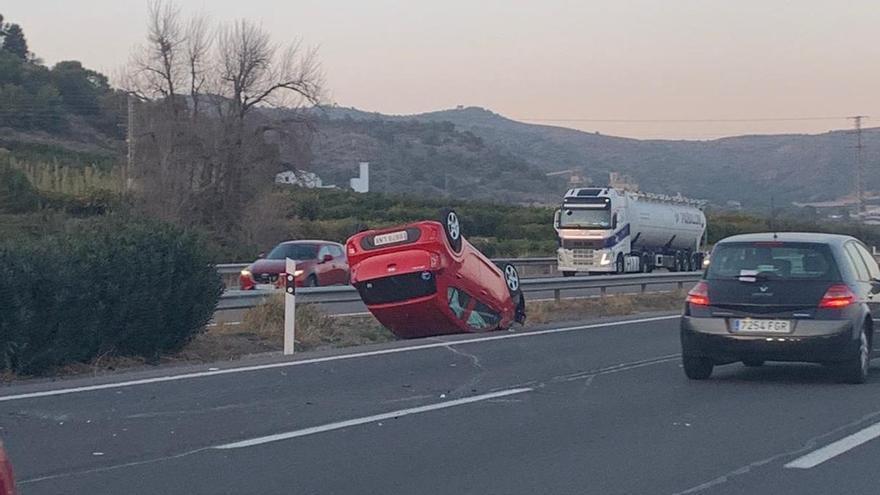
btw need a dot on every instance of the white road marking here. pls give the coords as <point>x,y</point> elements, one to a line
<point>833,450</point>
<point>369,419</point>
<point>338,357</point>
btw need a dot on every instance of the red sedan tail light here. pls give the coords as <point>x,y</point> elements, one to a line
<point>7,480</point>
<point>699,295</point>
<point>837,296</point>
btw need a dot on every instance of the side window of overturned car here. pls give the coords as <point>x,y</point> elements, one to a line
<point>483,317</point>
<point>458,301</point>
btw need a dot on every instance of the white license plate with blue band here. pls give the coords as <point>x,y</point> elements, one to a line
<point>391,238</point>
<point>748,325</point>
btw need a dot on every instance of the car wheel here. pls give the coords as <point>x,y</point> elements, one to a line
<point>855,369</point>
<point>618,265</point>
<point>511,278</point>
<point>452,227</point>
<point>312,281</point>
<point>568,274</point>
<point>753,363</point>
<point>697,368</point>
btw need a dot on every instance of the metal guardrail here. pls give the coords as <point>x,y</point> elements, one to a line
<point>230,268</point>
<point>239,299</point>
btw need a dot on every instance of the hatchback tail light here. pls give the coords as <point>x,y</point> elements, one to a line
<point>837,296</point>
<point>699,295</point>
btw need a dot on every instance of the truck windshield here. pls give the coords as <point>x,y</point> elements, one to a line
<point>585,218</point>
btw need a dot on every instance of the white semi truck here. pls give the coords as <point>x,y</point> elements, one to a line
<point>607,230</point>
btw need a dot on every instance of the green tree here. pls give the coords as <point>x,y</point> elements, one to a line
<point>81,89</point>
<point>14,41</point>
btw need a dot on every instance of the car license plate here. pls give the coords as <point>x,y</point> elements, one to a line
<point>265,287</point>
<point>390,238</point>
<point>762,326</point>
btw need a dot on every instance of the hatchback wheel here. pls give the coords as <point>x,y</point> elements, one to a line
<point>312,281</point>
<point>855,370</point>
<point>452,228</point>
<point>511,278</point>
<point>697,368</point>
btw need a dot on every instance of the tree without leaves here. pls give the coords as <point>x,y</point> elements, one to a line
<point>205,167</point>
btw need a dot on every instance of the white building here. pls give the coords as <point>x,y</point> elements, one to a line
<point>361,184</point>
<point>299,178</point>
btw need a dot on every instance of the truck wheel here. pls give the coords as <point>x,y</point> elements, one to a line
<point>688,262</point>
<point>452,228</point>
<point>568,274</point>
<point>676,262</point>
<point>650,263</point>
<point>644,266</point>
<point>619,267</point>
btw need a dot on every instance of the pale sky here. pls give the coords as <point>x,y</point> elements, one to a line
<point>548,59</point>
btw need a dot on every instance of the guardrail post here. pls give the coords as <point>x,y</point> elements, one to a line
<point>680,285</point>
<point>603,291</point>
<point>289,306</point>
<point>557,295</point>
<point>644,288</point>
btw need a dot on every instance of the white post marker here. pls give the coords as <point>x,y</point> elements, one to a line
<point>289,305</point>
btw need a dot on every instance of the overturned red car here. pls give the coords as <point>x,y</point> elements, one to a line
<point>425,279</point>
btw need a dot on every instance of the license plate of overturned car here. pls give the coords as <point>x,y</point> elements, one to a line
<point>390,238</point>
<point>761,326</point>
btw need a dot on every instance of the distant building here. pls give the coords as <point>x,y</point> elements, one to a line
<point>361,183</point>
<point>301,178</point>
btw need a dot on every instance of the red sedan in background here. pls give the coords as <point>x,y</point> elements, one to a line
<point>317,263</point>
<point>7,480</point>
<point>425,279</point>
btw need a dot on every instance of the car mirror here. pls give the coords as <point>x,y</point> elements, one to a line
<point>327,258</point>
<point>556,219</point>
<point>614,221</point>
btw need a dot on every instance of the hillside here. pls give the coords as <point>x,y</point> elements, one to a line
<point>750,169</point>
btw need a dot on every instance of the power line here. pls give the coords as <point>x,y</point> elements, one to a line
<point>686,121</point>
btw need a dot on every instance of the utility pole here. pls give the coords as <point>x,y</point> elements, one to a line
<point>860,172</point>
<point>129,138</point>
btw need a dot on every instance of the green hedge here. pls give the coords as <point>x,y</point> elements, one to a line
<point>110,288</point>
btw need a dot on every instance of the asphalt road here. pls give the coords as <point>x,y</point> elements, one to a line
<point>595,408</point>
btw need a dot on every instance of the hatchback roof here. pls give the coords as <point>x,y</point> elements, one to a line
<point>789,237</point>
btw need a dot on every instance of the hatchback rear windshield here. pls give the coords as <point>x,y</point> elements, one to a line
<point>773,261</point>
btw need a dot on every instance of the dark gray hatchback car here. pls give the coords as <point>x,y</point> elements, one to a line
<point>783,297</point>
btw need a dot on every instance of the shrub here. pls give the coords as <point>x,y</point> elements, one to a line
<point>17,194</point>
<point>109,288</point>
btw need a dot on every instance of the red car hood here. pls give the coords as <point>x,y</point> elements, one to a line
<point>273,266</point>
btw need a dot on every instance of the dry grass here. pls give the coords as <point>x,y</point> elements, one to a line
<point>612,305</point>
<point>314,328</point>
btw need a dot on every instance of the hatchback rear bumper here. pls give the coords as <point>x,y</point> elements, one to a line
<point>827,341</point>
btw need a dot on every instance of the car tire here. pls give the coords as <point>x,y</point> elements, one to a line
<point>452,227</point>
<point>568,274</point>
<point>697,368</point>
<point>753,363</point>
<point>312,281</point>
<point>511,279</point>
<point>855,369</point>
